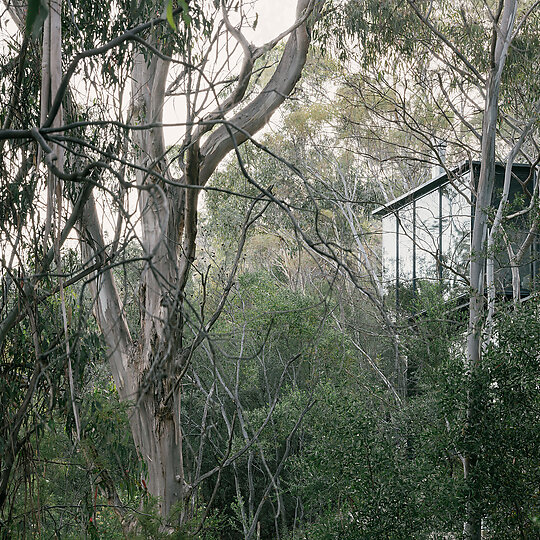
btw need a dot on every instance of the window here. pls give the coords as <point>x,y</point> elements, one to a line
<point>456,236</point>
<point>427,237</point>
<point>389,250</point>
<point>406,244</point>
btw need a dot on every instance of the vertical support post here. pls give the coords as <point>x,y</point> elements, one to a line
<point>397,260</point>
<point>440,246</point>
<point>414,246</point>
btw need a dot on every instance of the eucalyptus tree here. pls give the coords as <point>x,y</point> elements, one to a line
<point>105,151</point>
<point>503,24</point>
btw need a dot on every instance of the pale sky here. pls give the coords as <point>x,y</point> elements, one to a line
<point>275,16</point>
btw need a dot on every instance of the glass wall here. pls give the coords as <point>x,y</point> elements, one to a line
<point>516,231</point>
<point>455,236</point>
<point>427,241</point>
<point>427,238</point>
<point>389,250</point>
<point>406,245</point>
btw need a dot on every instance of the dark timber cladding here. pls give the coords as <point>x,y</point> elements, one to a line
<point>426,232</point>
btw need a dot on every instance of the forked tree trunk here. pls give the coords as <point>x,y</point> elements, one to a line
<point>147,373</point>
<point>156,360</point>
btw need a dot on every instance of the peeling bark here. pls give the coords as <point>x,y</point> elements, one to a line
<point>147,372</point>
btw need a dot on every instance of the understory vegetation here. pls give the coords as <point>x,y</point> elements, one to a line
<point>200,333</point>
<point>337,457</point>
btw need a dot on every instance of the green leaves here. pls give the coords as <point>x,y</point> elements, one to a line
<point>36,15</point>
<point>170,18</point>
<point>185,13</point>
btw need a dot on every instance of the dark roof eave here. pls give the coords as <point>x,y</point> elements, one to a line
<point>429,186</point>
<point>420,190</point>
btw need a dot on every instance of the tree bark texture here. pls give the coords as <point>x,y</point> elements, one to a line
<point>147,373</point>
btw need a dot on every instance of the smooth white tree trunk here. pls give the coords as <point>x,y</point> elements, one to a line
<point>502,36</point>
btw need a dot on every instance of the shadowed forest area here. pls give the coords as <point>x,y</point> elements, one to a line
<point>266,278</point>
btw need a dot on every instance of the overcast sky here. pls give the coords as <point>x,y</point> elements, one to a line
<point>275,16</point>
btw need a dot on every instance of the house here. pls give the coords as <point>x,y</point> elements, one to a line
<point>426,233</point>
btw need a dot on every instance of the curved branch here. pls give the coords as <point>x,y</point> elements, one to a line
<point>257,113</point>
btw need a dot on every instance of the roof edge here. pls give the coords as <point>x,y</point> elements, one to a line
<point>430,185</point>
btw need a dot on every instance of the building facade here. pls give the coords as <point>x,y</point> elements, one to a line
<point>426,233</point>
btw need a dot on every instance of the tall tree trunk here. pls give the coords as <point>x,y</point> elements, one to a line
<point>158,358</point>
<point>502,34</point>
<point>147,373</point>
